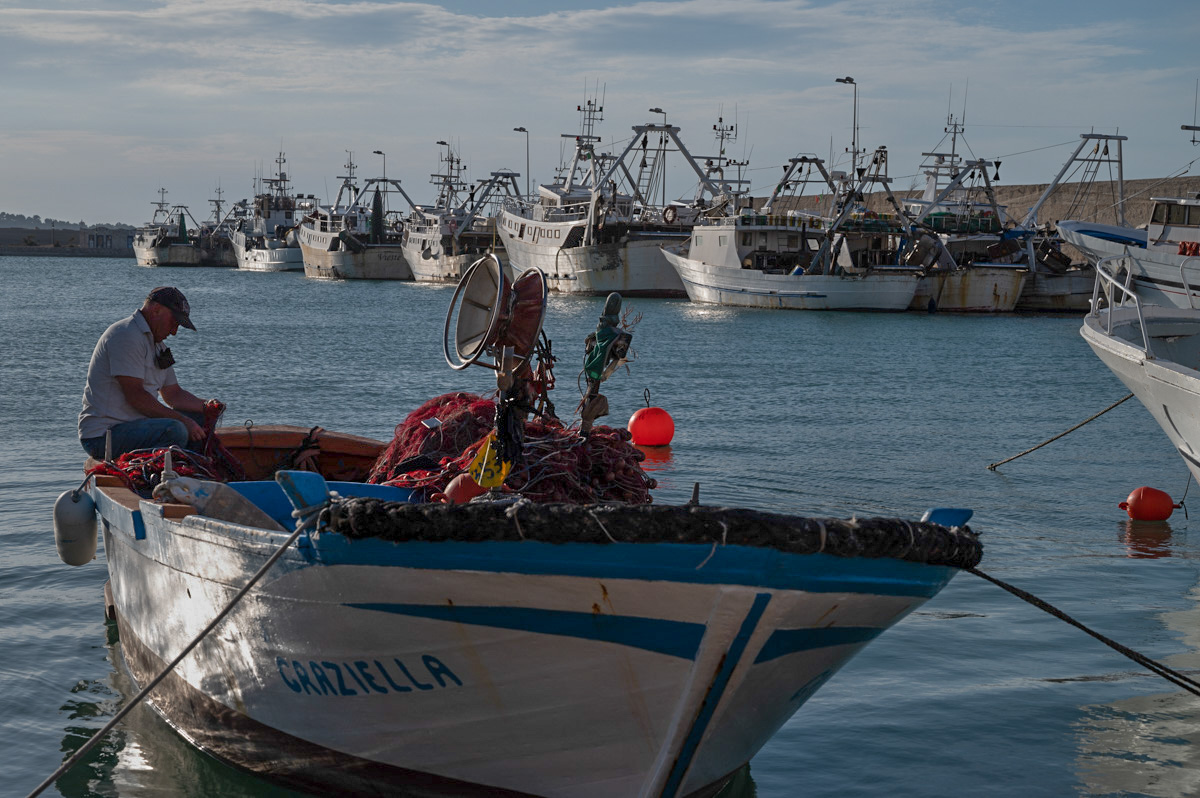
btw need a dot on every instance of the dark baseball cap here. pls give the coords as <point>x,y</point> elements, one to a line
<point>174,300</point>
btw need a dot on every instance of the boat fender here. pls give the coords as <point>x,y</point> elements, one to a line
<point>75,527</point>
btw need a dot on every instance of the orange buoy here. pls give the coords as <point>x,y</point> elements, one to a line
<point>462,489</point>
<point>651,426</point>
<point>1148,504</point>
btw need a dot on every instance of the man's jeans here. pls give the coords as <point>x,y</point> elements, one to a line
<point>144,433</point>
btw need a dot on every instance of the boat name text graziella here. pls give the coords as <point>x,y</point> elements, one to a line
<point>360,671</point>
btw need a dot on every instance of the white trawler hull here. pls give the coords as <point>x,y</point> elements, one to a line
<point>1047,291</point>
<point>274,256</point>
<point>326,257</point>
<point>182,255</point>
<point>879,289</point>
<point>170,255</point>
<point>973,289</point>
<point>445,268</point>
<point>632,266</point>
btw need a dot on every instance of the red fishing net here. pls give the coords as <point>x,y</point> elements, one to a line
<point>142,469</point>
<point>559,465</point>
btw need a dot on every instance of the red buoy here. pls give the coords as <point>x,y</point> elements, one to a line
<point>651,426</point>
<point>462,489</point>
<point>1148,504</point>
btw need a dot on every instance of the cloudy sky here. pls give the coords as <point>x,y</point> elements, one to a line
<point>105,102</point>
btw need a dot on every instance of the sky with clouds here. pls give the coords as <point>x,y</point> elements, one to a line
<point>105,102</point>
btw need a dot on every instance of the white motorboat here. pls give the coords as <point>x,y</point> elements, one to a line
<point>442,240</point>
<point>1163,259</point>
<point>599,227</point>
<point>264,239</point>
<point>1154,350</point>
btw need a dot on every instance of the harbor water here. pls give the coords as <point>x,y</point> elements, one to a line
<point>821,414</point>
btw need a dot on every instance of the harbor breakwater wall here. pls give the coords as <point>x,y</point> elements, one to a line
<point>1067,202</point>
<point>69,252</point>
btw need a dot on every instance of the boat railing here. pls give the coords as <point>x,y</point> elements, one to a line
<point>1113,288</point>
<point>1187,289</point>
<point>773,220</point>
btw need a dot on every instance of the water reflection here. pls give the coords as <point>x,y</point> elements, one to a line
<point>1146,539</point>
<point>1148,744</point>
<point>658,458</point>
<point>740,786</point>
<point>143,756</point>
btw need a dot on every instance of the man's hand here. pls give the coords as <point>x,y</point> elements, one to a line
<point>195,431</point>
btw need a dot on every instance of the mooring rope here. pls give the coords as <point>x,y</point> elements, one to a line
<point>992,467</point>
<point>145,691</point>
<point>1158,668</point>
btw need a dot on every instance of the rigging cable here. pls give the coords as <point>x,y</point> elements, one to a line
<point>1171,675</point>
<point>992,467</point>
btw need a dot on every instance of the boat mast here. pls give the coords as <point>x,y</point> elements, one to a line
<point>1091,168</point>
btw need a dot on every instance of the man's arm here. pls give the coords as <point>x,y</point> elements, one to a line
<point>178,398</point>
<point>142,401</point>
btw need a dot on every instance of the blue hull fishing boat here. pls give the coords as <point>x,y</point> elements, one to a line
<point>361,638</point>
<point>500,648</point>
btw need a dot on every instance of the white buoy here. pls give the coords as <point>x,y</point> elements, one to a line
<point>75,527</point>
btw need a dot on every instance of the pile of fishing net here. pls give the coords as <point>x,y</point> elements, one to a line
<point>141,470</point>
<point>441,438</point>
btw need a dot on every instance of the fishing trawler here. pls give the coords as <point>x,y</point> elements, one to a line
<point>1055,281</point>
<point>960,241</point>
<point>601,225</point>
<point>442,240</point>
<point>264,239</point>
<point>839,258</point>
<point>358,237</point>
<point>167,240</point>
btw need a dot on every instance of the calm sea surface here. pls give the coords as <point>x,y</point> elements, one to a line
<point>807,413</point>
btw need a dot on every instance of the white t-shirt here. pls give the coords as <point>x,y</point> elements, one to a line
<point>126,349</point>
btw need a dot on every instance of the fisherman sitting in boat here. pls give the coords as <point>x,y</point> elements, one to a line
<point>129,367</point>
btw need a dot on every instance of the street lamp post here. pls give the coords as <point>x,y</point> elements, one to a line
<point>854,134</point>
<point>660,111</point>
<point>384,154</point>
<point>526,132</point>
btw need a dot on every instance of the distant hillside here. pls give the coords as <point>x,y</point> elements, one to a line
<point>36,222</point>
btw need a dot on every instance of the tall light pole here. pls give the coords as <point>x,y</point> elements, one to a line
<point>384,154</point>
<point>526,132</point>
<point>854,135</point>
<point>660,111</point>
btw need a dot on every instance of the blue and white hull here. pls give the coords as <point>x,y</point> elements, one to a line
<point>496,667</point>
<point>1158,274</point>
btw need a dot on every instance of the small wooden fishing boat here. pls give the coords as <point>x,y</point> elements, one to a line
<point>502,646</point>
<point>496,648</point>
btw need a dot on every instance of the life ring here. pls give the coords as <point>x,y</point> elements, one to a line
<point>670,214</point>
